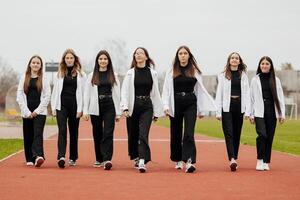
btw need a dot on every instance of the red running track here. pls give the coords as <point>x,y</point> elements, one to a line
<point>212,180</point>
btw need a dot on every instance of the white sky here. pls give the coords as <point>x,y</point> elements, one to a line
<point>211,28</point>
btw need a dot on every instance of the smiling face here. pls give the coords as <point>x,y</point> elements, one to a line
<point>234,60</point>
<point>265,66</point>
<point>35,65</point>
<point>140,56</point>
<point>69,60</point>
<point>183,57</point>
<point>103,61</point>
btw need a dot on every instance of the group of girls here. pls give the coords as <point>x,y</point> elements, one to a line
<point>99,97</point>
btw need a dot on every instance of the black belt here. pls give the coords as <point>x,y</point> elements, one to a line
<point>142,97</point>
<point>184,93</point>
<point>104,96</point>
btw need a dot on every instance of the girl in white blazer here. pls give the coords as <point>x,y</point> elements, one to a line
<point>140,103</point>
<point>184,98</point>
<point>233,102</point>
<point>67,104</point>
<point>102,104</point>
<point>267,105</point>
<point>33,97</point>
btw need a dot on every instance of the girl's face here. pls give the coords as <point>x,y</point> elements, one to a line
<point>234,60</point>
<point>35,65</point>
<point>265,66</point>
<point>183,56</point>
<point>140,56</point>
<point>69,60</point>
<point>103,61</point>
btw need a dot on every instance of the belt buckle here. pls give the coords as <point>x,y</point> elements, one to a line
<point>101,97</point>
<point>182,94</point>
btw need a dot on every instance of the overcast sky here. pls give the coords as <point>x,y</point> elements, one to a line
<point>211,28</point>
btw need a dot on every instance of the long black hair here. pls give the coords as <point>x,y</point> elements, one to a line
<point>110,69</point>
<point>272,80</point>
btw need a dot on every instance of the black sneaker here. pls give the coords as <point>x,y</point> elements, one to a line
<point>136,163</point>
<point>233,166</point>
<point>61,162</point>
<point>107,165</point>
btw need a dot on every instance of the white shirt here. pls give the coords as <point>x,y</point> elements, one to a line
<point>91,99</point>
<point>223,95</point>
<point>22,98</point>
<point>128,96</point>
<point>257,102</point>
<point>204,101</point>
<point>57,89</point>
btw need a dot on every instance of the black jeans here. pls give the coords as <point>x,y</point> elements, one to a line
<point>138,127</point>
<point>232,123</point>
<point>265,128</point>
<point>185,111</point>
<point>67,114</point>
<point>103,129</point>
<point>33,130</point>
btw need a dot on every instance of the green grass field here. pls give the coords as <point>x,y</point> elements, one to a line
<point>9,146</point>
<point>287,135</point>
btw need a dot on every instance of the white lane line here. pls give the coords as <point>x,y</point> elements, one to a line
<point>151,140</point>
<point>11,155</point>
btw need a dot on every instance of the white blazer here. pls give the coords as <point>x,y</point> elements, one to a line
<point>223,95</point>
<point>57,89</point>
<point>128,96</point>
<point>22,100</point>
<point>257,102</point>
<point>91,100</point>
<point>204,101</point>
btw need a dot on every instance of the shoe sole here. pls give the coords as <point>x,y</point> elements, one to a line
<point>233,167</point>
<point>39,162</point>
<point>190,169</point>
<point>61,164</point>
<point>142,170</point>
<point>107,166</point>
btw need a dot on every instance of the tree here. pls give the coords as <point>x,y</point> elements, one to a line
<point>8,78</point>
<point>286,66</point>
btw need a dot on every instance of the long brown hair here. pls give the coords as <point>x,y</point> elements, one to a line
<point>272,81</point>
<point>110,70</point>
<point>63,66</point>
<point>191,66</point>
<point>39,83</point>
<point>149,61</point>
<point>242,67</point>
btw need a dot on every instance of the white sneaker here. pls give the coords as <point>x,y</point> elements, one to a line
<point>233,165</point>
<point>179,165</point>
<point>260,165</point>
<point>142,166</point>
<point>71,163</point>
<point>266,167</point>
<point>29,163</point>
<point>190,168</point>
<point>39,161</point>
<point>98,164</point>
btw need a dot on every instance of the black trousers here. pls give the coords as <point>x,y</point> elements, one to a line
<point>103,129</point>
<point>265,128</point>
<point>33,130</point>
<point>138,127</point>
<point>184,148</point>
<point>67,114</point>
<point>232,123</point>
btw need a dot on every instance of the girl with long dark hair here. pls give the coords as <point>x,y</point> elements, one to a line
<point>102,104</point>
<point>267,105</point>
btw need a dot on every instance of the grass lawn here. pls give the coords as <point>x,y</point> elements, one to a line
<point>287,135</point>
<point>9,146</point>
